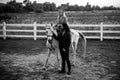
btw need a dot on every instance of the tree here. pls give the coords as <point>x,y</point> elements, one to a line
<point>88,7</point>
<point>52,6</point>
<point>95,7</point>
<point>28,5</point>
<point>13,6</point>
<point>26,2</point>
<point>81,8</point>
<point>47,6</point>
<point>37,7</point>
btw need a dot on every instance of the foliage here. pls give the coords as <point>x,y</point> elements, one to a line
<point>27,6</point>
<point>12,7</point>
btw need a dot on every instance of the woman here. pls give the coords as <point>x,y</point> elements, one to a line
<point>64,39</point>
<point>64,44</point>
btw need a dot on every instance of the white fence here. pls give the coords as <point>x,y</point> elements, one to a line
<point>35,30</point>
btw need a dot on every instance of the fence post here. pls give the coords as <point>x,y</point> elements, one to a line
<point>35,31</point>
<point>101,31</point>
<point>4,30</point>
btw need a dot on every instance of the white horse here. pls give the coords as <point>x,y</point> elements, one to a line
<point>52,43</point>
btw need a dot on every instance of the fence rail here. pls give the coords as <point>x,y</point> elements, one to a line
<point>35,30</point>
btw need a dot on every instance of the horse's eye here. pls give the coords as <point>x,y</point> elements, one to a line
<point>59,27</point>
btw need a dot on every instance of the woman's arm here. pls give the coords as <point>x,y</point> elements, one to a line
<point>56,37</point>
<point>67,40</point>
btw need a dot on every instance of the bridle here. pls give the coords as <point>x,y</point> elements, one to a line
<point>50,32</point>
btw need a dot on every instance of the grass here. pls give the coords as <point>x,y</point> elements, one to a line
<point>80,17</point>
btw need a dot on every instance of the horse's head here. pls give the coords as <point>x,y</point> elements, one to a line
<point>50,30</point>
<point>63,27</point>
<point>58,28</point>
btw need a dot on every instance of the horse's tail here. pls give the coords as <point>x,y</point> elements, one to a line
<point>84,42</point>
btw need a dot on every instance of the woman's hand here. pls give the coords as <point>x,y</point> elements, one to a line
<point>64,49</point>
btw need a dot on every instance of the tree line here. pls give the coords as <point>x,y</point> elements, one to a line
<point>27,6</point>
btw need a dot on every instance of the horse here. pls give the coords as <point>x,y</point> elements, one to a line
<point>52,43</point>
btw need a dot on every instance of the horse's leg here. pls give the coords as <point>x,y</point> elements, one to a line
<point>74,53</point>
<point>48,56</point>
<point>57,55</point>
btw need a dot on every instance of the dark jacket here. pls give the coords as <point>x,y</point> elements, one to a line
<point>64,39</point>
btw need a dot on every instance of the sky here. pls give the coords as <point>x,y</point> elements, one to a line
<point>101,3</point>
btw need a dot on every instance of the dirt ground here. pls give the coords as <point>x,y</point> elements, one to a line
<point>23,60</point>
